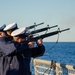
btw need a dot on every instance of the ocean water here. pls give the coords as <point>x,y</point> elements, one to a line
<point>62,52</point>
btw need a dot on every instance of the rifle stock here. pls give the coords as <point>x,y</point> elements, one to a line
<point>46,35</point>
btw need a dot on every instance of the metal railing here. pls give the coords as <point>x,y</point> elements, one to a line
<point>44,67</point>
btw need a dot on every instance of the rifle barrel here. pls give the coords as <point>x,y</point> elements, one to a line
<point>53,26</point>
<point>46,35</point>
<point>42,29</point>
<point>65,29</point>
<point>30,27</point>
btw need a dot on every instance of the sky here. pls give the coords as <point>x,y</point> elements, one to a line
<point>52,12</point>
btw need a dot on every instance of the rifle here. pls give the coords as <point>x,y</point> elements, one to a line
<point>35,25</point>
<point>43,29</point>
<point>46,35</point>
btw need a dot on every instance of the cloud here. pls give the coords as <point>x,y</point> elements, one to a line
<point>69,21</point>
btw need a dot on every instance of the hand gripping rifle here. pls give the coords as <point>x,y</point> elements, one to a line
<point>47,35</point>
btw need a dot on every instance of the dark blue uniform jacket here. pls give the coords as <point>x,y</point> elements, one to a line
<point>15,58</point>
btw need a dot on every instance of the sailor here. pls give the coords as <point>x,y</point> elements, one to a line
<point>26,51</point>
<point>4,50</point>
<point>6,47</point>
<point>2,34</point>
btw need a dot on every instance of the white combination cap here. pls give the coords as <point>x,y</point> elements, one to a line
<point>10,26</point>
<point>19,31</point>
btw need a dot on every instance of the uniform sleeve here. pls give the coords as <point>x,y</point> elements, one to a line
<point>34,52</point>
<point>20,49</point>
<point>38,51</point>
<point>7,48</point>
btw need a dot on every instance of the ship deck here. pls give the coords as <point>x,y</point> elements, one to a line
<point>45,67</point>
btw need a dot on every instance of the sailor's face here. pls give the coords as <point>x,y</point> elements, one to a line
<point>18,39</point>
<point>2,34</point>
<point>9,32</point>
